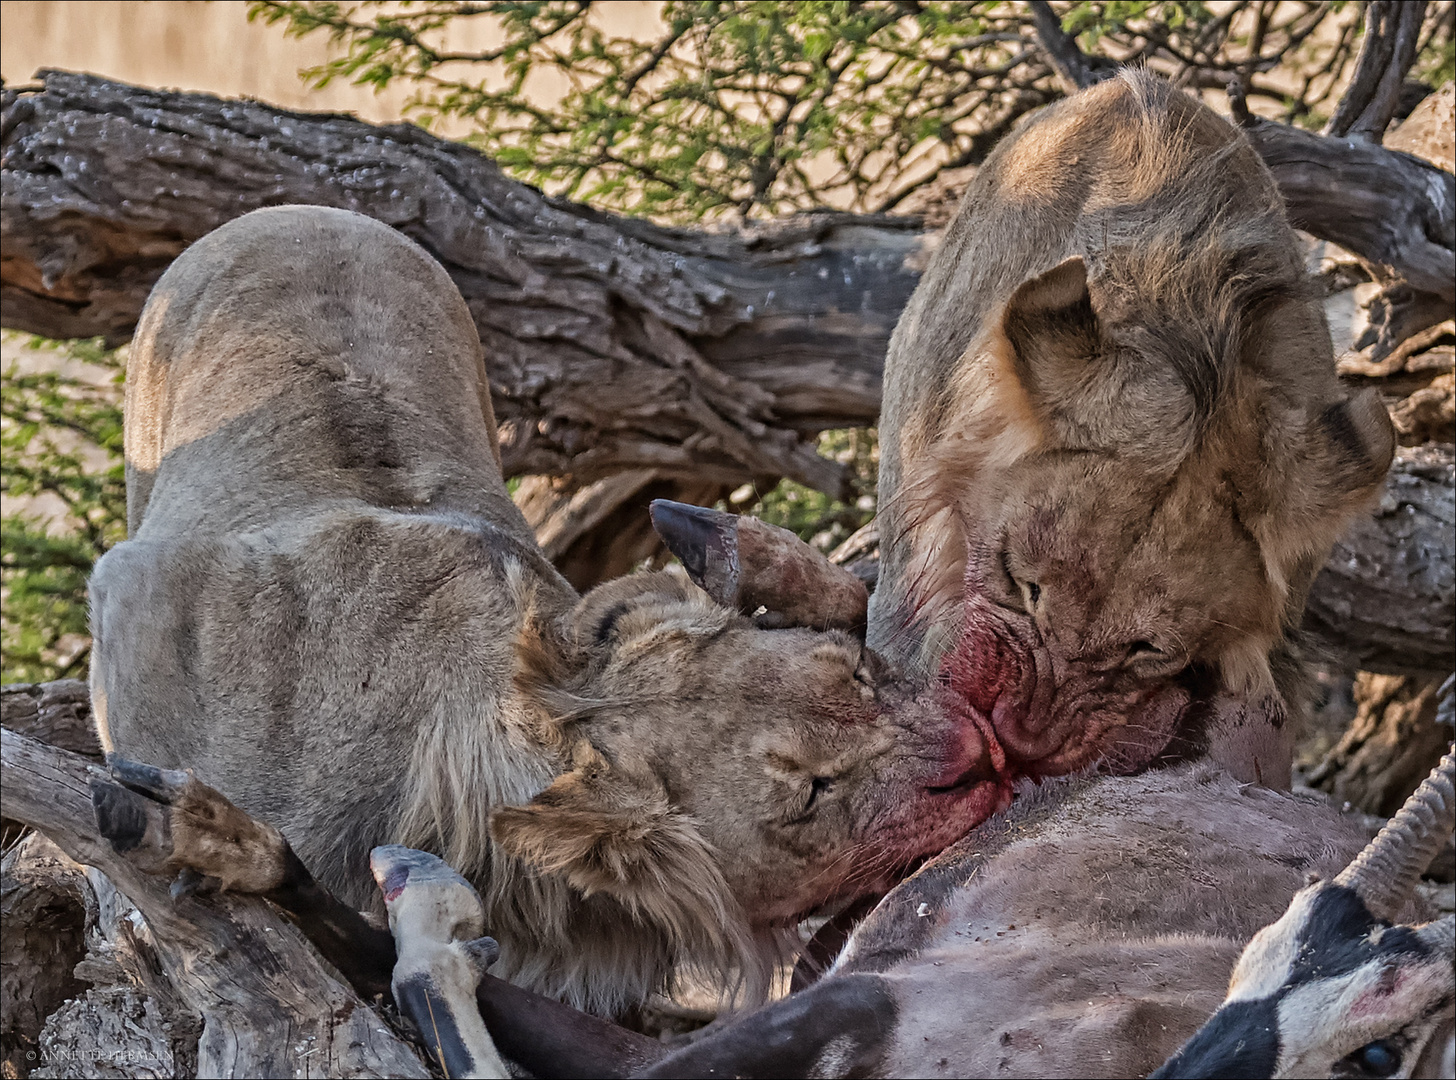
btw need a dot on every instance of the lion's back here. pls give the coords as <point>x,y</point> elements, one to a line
<point>296,667</point>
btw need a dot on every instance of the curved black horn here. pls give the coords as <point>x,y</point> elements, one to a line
<point>745,563</point>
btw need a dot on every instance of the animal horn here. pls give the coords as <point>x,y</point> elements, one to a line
<point>1439,935</point>
<point>746,564</point>
<point>1384,875</point>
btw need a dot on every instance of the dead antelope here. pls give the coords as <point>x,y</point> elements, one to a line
<point>1336,987</point>
<point>1089,930</point>
<point>1086,932</point>
<point>330,609</point>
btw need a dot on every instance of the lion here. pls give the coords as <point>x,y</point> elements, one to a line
<point>331,610</point>
<point>1114,451</point>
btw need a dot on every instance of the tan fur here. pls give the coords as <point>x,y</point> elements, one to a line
<point>1112,429</point>
<point>330,608</point>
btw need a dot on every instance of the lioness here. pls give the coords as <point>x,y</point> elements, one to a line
<point>1114,452</point>
<point>330,608</point>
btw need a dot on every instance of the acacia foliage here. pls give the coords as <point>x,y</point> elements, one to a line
<point>60,448</point>
<point>763,108</point>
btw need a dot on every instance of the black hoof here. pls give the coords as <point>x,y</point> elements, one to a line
<point>191,882</point>
<point>161,784</point>
<point>483,952</point>
<point>121,815</point>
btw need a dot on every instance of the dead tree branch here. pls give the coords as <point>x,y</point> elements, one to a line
<point>613,344</point>
<point>1392,30</point>
<point>1391,209</point>
<point>265,998</point>
<point>1069,62</point>
<point>1387,597</point>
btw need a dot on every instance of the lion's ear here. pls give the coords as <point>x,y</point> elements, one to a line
<point>1303,499</point>
<point>1053,331</point>
<point>606,833</point>
<point>747,564</point>
<point>1356,442</point>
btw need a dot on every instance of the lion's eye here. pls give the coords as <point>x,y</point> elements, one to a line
<point>819,786</point>
<point>863,673</point>
<point>1033,593</point>
<point>1030,590</point>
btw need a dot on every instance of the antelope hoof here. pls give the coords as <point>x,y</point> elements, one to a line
<point>437,920</point>
<point>168,822</point>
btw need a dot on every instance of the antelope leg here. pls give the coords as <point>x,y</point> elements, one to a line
<point>842,1026</point>
<point>551,1039</point>
<point>438,924</point>
<point>167,821</point>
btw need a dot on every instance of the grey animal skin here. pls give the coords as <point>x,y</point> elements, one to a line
<point>1086,932</point>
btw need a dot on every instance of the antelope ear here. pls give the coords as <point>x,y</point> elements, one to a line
<point>745,564</point>
<point>610,834</point>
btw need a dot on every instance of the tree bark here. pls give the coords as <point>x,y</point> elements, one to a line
<point>613,344</point>
<point>43,907</point>
<point>268,1006</point>
<point>57,713</point>
<point>1392,31</point>
<point>1392,209</point>
<point>1386,599</point>
<point>1389,748</point>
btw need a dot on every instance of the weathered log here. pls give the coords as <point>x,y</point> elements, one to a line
<point>1392,209</point>
<point>56,713</point>
<point>43,903</point>
<point>131,1023</point>
<point>1392,34</point>
<point>269,1006</point>
<point>1386,599</point>
<point>1389,748</point>
<point>614,344</point>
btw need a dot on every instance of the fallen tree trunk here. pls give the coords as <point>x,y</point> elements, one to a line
<point>230,961</point>
<point>1391,208</point>
<point>1386,599</point>
<point>695,356</point>
<point>613,343</point>
<point>43,909</point>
